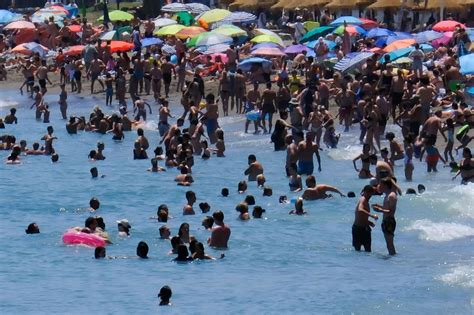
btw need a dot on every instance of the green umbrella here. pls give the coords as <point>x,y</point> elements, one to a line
<point>230,30</point>
<point>192,42</point>
<point>118,15</point>
<point>169,30</point>
<point>315,33</point>
<point>185,18</point>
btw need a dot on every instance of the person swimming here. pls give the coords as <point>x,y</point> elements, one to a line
<point>165,296</point>
<point>32,228</point>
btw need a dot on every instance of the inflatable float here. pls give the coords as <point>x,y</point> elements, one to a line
<point>72,237</point>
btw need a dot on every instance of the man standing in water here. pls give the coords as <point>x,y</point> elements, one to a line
<point>361,232</point>
<point>306,149</point>
<point>254,169</point>
<point>220,232</point>
<point>388,209</point>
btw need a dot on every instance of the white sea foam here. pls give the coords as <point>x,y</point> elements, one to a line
<point>460,275</point>
<point>462,200</point>
<point>8,102</point>
<point>440,231</point>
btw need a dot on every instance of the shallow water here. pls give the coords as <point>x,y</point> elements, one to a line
<point>282,264</point>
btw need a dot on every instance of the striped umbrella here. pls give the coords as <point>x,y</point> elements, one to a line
<point>197,8</point>
<point>239,17</point>
<point>352,60</point>
<point>174,7</point>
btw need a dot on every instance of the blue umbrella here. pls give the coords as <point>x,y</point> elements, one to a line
<point>381,41</point>
<point>330,44</point>
<point>7,17</point>
<point>398,36</point>
<point>352,60</point>
<point>151,41</point>
<point>247,64</point>
<point>347,19</point>
<point>399,53</point>
<point>427,36</point>
<point>379,32</point>
<point>467,64</point>
<point>462,51</point>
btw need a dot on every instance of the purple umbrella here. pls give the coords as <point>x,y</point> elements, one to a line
<point>296,49</point>
<point>264,45</point>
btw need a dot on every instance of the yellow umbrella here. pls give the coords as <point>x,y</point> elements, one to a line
<point>267,39</point>
<point>385,4</point>
<point>169,30</point>
<point>214,15</point>
<point>118,15</point>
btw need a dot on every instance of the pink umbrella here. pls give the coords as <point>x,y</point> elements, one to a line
<point>20,25</point>
<point>447,36</point>
<point>268,51</point>
<point>448,25</point>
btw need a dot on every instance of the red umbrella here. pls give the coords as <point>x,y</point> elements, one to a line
<point>447,26</point>
<point>59,8</point>
<point>23,49</point>
<point>399,44</point>
<point>20,25</point>
<point>119,46</point>
<point>75,28</point>
<point>74,50</point>
<point>190,32</point>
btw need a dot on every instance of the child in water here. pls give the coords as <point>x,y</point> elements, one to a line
<point>432,157</point>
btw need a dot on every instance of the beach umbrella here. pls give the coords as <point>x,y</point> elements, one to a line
<point>190,32</point>
<point>368,23</point>
<point>402,60</point>
<point>169,30</point>
<point>74,50</point>
<point>447,36</point>
<point>7,16</point>
<point>185,18</point>
<point>315,33</point>
<point>309,25</point>
<point>239,17</point>
<point>30,48</point>
<point>161,22</point>
<point>258,46</point>
<point>108,35</point>
<point>119,46</point>
<point>398,36</point>
<point>264,31</point>
<point>174,7</point>
<point>150,41</point>
<point>427,36</point>
<point>197,8</point>
<point>270,52</point>
<point>170,50</point>
<point>346,19</point>
<point>313,43</point>
<point>20,25</point>
<point>462,51</point>
<point>398,53</point>
<point>378,32</point>
<point>214,15</point>
<point>352,60</point>
<point>59,8</point>
<point>267,39</point>
<point>351,29</point>
<point>402,43</point>
<point>75,28</point>
<point>248,63</point>
<point>46,14</point>
<point>230,30</point>
<point>214,49</point>
<point>209,39</point>
<point>447,26</point>
<point>466,63</point>
<point>296,49</point>
<point>117,15</point>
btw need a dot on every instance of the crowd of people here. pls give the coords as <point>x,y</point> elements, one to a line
<point>302,106</point>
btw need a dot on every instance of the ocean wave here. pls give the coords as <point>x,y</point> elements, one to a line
<point>440,231</point>
<point>460,275</point>
<point>8,103</point>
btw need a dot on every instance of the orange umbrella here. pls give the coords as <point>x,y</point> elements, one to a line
<point>24,50</point>
<point>189,32</point>
<point>74,50</point>
<point>399,44</point>
<point>20,25</point>
<point>59,8</point>
<point>119,46</point>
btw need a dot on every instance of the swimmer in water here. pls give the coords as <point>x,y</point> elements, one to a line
<point>183,254</point>
<point>183,233</point>
<point>48,141</point>
<point>165,232</point>
<point>165,296</point>
<point>298,208</point>
<point>257,212</point>
<point>243,209</point>
<point>315,192</point>
<point>254,169</point>
<point>207,223</point>
<point>154,166</point>
<point>94,204</point>
<point>432,156</point>
<point>32,228</point>
<point>220,232</point>
<point>366,158</point>
<point>142,250</point>
<point>200,254</point>
<point>123,227</point>
<point>191,199</point>
<point>388,209</point>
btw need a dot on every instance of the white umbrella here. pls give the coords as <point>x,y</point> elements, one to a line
<point>170,50</point>
<point>160,22</point>
<point>239,17</point>
<point>210,39</point>
<point>108,35</point>
<point>197,8</point>
<point>174,7</point>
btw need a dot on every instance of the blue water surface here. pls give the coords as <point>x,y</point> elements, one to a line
<point>282,264</point>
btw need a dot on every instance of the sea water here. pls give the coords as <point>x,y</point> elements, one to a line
<point>281,264</point>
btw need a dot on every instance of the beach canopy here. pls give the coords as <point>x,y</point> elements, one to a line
<point>169,30</point>
<point>20,25</point>
<point>402,43</point>
<point>214,15</point>
<point>258,46</point>
<point>268,51</point>
<point>161,22</point>
<point>74,50</point>
<point>427,36</point>
<point>151,41</point>
<point>379,32</point>
<point>447,26</point>
<point>174,7</point>
<point>352,60</point>
<point>119,46</point>
<point>346,19</point>
<point>185,18</point>
<point>230,30</point>
<point>315,33</point>
<point>117,15</point>
<point>247,63</point>
<point>467,64</point>
<point>267,39</point>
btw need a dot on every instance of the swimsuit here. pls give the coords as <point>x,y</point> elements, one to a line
<point>388,225</point>
<point>361,236</point>
<point>305,167</point>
